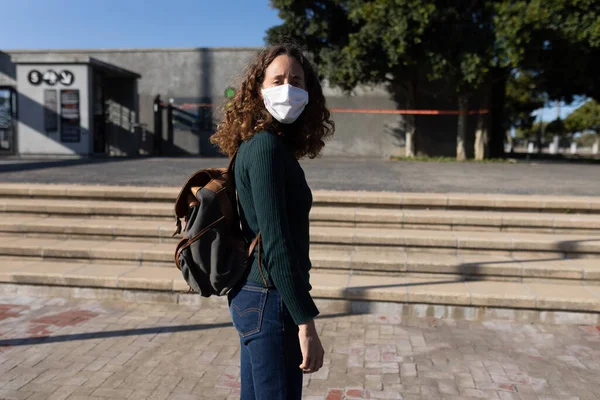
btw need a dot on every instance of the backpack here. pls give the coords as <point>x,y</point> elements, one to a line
<point>213,255</point>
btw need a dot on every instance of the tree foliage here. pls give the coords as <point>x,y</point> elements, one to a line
<point>584,118</point>
<point>548,48</point>
<point>393,41</point>
<point>547,130</point>
<point>356,42</point>
<point>587,139</point>
<point>556,127</point>
<point>523,96</point>
<point>557,40</point>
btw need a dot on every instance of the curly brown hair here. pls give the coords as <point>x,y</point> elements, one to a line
<point>246,115</point>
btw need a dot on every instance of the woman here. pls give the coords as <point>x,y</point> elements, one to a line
<point>277,117</point>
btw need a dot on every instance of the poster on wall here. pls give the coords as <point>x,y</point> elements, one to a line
<point>70,120</point>
<point>50,109</point>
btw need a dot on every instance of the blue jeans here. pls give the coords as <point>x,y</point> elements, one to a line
<point>270,348</point>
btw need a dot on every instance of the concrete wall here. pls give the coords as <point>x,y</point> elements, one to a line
<point>362,134</point>
<point>32,137</point>
<point>174,73</point>
<point>8,72</point>
<point>204,74</point>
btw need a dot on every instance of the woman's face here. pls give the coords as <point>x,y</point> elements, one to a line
<point>284,70</point>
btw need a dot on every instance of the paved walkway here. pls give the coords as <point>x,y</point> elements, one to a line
<point>328,173</point>
<point>58,349</point>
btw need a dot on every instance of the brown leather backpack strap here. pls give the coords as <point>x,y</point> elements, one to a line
<point>256,242</point>
<point>253,245</point>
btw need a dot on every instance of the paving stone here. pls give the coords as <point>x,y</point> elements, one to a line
<point>447,387</point>
<point>444,359</point>
<point>117,393</point>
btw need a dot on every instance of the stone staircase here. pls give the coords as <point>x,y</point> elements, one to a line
<point>471,256</point>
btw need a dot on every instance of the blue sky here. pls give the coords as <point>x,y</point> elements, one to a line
<point>84,24</point>
<point>68,24</point>
<point>550,112</point>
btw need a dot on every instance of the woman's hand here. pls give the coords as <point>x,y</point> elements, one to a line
<point>310,345</point>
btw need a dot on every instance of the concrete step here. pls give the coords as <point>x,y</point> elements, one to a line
<point>451,242</point>
<point>472,295</point>
<point>461,201</point>
<point>75,227</point>
<point>89,192</point>
<point>364,261</point>
<point>461,242</point>
<point>497,202</point>
<point>455,220</point>
<point>87,208</point>
<point>469,267</point>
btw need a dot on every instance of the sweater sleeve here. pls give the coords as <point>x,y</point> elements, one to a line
<point>267,174</point>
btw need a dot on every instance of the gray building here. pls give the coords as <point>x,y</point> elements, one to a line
<point>166,101</point>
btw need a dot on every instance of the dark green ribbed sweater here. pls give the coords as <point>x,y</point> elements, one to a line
<point>276,200</point>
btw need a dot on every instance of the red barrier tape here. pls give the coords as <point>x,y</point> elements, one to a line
<point>408,112</point>
<point>187,106</point>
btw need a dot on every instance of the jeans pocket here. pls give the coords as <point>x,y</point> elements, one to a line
<point>247,309</point>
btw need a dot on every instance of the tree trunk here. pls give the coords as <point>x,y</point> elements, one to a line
<point>463,107</point>
<point>409,149</point>
<point>509,140</point>
<point>411,120</point>
<point>497,124</point>
<point>404,92</point>
<point>539,136</point>
<point>481,139</point>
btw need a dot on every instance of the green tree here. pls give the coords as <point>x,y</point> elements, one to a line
<point>395,42</point>
<point>584,118</point>
<point>546,131</point>
<point>557,40</point>
<point>460,49</point>
<point>558,128</point>
<point>360,42</point>
<point>523,97</point>
<point>524,134</point>
<point>546,46</point>
<point>587,139</point>
<point>383,47</point>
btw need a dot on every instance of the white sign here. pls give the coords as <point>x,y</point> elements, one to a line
<point>51,77</point>
<point>66,77</point>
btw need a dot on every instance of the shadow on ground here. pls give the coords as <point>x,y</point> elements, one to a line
<point>157,330</point>
<point>33,165</point>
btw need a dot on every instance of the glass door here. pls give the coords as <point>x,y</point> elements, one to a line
<point>8,120</point>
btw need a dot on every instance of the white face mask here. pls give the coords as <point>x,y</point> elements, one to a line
<point>285,102</point>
